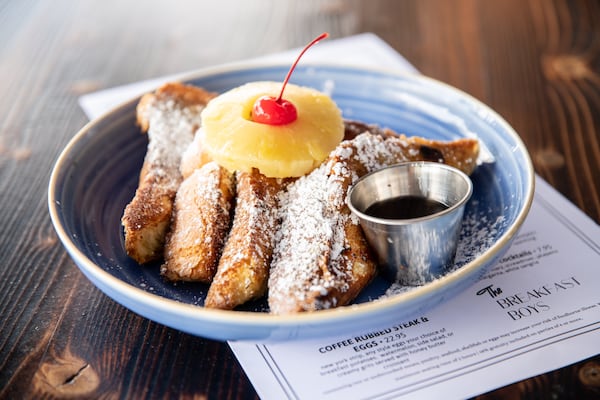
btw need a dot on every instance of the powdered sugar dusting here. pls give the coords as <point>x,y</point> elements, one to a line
<point>171,130</point>
<point>478,234</point>
<point>307,264</point>
<point>303,240</point>
<point>244,265</point>
<point>256,218</point>
<point>199,224</point>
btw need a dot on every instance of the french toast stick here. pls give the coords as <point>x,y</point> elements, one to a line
<point>200,223</point>
<point>315,264</point>
<point>244,265</point>
<point>170,116</point>
<point>461,153</point>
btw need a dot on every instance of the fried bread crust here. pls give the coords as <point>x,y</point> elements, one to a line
<point>244,265</point>
<point>200,223</point>
<point>322,259</point>
<point>170,116</point>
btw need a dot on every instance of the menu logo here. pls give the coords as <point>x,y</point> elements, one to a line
<point>493,292</point>
<point>530,301</point>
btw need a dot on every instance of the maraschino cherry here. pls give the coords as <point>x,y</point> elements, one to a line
<point>278,111</point>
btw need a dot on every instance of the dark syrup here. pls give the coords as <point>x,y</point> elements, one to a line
<point>405,207</point>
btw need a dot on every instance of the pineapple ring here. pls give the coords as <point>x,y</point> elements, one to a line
<point>236,142</point>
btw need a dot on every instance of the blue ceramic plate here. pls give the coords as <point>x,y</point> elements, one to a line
<point>97,173</point>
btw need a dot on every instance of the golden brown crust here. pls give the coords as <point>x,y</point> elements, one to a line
<point>244,265</point>
<point>201,220</point>
<point>461,153</point>
<point>146,220</point>
<point>171,116</point>
<point>355,259</point>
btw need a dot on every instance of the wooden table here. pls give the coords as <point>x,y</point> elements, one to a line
<point>537,62</point>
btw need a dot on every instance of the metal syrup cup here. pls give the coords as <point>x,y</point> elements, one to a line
<point>417,250</point>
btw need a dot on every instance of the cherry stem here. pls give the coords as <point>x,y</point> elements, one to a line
<point>287,77</point>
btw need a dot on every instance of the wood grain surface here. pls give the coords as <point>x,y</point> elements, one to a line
<point>536,62</point>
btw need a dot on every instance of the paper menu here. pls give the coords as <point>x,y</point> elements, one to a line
<point>536,310</point>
